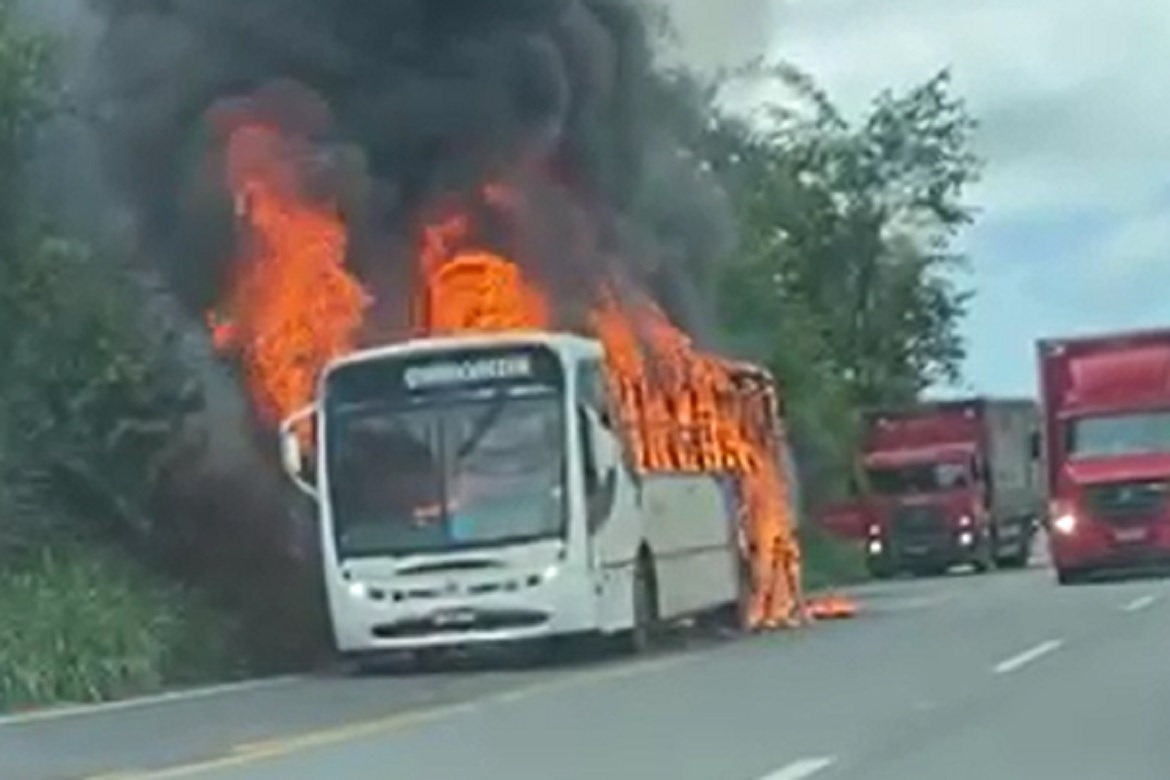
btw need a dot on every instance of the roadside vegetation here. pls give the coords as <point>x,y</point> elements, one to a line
<point>115,577</point>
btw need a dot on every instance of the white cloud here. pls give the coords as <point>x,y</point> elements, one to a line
<point>1072,97</point>
<point>1072,93</point>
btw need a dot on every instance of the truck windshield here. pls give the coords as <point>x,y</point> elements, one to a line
<point>918,478</point>
<point>473,470</point>
<point>1119,434</point>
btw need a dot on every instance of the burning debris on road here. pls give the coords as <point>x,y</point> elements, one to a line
<point>323,176</point>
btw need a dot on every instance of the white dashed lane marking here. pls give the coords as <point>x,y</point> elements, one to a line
<point>1017,662</point>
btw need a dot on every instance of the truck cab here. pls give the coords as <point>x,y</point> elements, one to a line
<point>950,483</point>
<point>1107,424</point>
<point>923,488</point>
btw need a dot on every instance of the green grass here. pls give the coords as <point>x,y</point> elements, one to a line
<point>82,625</point>
<point>829,561</point>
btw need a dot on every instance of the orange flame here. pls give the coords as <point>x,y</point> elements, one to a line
<point>685,413</point>
<point>292,305</point>
<point>479,291</point>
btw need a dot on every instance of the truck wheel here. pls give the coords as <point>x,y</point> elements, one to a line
<point>645,606</point>
<point>1018,559</point>
<point>984,561</point>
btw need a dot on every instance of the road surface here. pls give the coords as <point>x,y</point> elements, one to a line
<point>965,678</point>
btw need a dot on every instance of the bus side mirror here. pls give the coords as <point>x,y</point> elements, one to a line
<point>605,451</point>
<point>298,467</point>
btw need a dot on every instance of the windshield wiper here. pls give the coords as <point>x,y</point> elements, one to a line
<point>484,424</point>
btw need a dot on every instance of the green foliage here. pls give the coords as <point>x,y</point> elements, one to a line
<point>827,561</point>
<point>92,403</point>
<point>92,407</point>
<point>25,68</point>
<point>87,623</point>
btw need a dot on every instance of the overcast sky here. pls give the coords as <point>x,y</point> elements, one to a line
<point>1074,97</point>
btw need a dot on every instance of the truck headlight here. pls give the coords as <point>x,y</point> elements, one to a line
<point>966,521</point>
<point>875,547</point>
<point>874,530</point>
<point>1065,524</point>
<point>966,539</point>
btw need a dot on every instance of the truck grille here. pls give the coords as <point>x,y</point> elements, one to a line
<point>1130,502</point>
<point>923,524</point>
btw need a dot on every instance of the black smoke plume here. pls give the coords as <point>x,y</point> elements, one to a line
<point>410,102</point>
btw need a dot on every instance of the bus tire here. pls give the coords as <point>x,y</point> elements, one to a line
<point>360,665</point>
<point>645,605</point>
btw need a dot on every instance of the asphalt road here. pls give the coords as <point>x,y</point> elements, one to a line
<point>966,678</point>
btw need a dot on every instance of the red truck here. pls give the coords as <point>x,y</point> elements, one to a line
<point>1107,444</point>
<point>951,483</point>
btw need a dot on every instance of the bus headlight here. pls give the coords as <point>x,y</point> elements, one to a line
<point>966,539</point>
<point>358,590</point>
<point>875,547</point>
<point>966,521</point>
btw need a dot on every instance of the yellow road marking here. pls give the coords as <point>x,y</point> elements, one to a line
<point>268,750</point>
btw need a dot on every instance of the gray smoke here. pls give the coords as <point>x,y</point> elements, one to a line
<point>410,102</point>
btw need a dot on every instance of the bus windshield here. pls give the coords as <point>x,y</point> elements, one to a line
<point>475,470</point>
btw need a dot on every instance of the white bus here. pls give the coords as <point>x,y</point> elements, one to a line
<point>473,490</point>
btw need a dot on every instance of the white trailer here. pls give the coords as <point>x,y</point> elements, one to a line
<point>473,490</point>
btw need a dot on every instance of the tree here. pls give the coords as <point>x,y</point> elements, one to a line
<point>90,401</point>
<point>846,273</point>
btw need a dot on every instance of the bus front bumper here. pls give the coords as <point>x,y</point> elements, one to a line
<point>557,607</point>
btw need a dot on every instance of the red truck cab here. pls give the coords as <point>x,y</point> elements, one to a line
<point>951,483</point>
<point>1107,443</point>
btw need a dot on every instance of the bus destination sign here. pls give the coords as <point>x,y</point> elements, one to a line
<point>463,372</point>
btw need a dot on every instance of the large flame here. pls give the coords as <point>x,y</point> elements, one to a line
<point>293,306</point>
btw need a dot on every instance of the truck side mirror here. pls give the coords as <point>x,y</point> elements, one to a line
<point>1034,444</point>
<point>292,456</point>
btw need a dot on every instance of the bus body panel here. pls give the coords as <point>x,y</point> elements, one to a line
<point>691,531</point>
